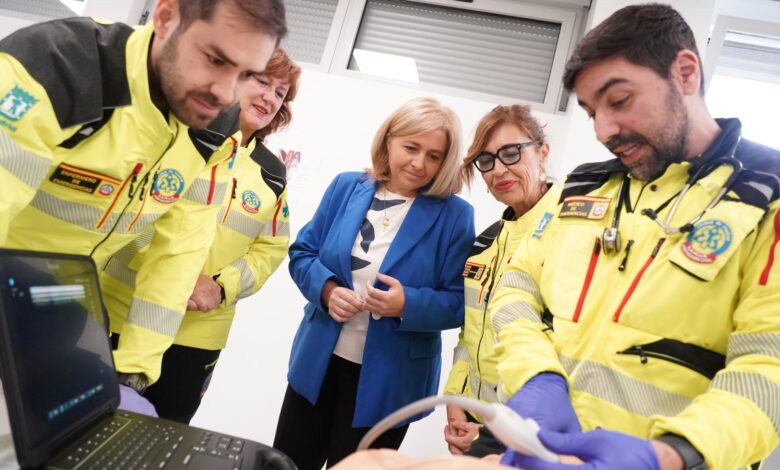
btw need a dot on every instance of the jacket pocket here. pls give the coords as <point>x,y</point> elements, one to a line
<point>712,241</point>
<point>573,262</point>
<point>690,356</point>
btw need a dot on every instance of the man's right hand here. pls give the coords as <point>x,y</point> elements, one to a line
<point>342,303</point>
<point>459,432</point>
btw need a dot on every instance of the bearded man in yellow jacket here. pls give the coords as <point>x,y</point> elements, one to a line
<point>106,130</point>
<point>648,315</point>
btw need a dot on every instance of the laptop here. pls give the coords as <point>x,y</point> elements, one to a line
<point>61,389</point>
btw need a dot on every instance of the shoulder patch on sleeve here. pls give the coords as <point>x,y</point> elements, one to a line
<point>80,64</point>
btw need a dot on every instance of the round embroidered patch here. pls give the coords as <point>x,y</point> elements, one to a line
<point>706,241</point>
<point>106,189</point>
<point>250,201</point>
<point>168,186</point>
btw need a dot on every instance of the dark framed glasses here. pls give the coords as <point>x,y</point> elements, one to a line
<point>509,154</point>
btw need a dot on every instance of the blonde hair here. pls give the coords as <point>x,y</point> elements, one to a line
<point>415,117</point>
<point>517,115</point>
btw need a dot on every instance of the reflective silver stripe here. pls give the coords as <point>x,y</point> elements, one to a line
<point>282,229</point>
<point>154,317</point>
<point>82,215</point>
<point>244,224</point>
<point>487,390</point>
<point>756,388</point>
<point>471,297</point>
<point>762,188</point>
<point>199,191</point>
<point>247,278</point>
<point>767,344</point>
<point>29,167</point>
<point>509,313</point>
<point>128,252</point>
<point>522,281</point>
<point>622,390</point>
<point>461,353</point>
<point>121,272</point>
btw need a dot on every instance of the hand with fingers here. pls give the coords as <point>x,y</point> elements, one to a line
<point>206,295</point>
<point>459,433</point>
<point>389,303</point>
<point>342,303</point>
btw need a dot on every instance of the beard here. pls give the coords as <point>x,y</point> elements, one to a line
<point>173,84</point>
<point>668,141</point>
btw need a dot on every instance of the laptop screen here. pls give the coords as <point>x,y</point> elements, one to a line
<point>57,366</point>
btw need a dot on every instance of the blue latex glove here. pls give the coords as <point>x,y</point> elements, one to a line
<point>599,450</point>
<point>130,400</point>
<point>545,399</point>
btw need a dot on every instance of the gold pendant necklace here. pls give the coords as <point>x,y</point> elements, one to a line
<point>386,219</point>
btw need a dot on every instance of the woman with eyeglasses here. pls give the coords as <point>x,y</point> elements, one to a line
<point>509,152</point>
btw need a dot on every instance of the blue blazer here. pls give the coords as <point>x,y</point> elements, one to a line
<point>402,357</point>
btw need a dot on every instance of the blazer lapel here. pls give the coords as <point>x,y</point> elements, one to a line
<point>354,214</point>
<point>421,216</point>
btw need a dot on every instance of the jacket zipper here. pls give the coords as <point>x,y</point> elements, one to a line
<point>771,260</point>
<point>230,202</point>
<point>636,280</point>
<point>212,185</point>
<point>594,259</point>
<point>142,199</point>
<point>130,179</point>
<point>159,159</point>
<point>644,354</point>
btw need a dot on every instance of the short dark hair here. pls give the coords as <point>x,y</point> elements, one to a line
<point>649,35</point>
<point>265,15</point>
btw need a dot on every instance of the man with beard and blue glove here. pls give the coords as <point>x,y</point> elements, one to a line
<point>648,312</point>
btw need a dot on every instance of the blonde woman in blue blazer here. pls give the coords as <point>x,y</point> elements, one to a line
<point>380,264</point>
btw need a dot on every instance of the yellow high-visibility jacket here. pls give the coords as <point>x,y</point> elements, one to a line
<point>677,333</point>
<point>87,163</point>
<point>252,238</point>
<point>473,371</point>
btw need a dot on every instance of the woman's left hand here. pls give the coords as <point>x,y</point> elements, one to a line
<point>389,303</point>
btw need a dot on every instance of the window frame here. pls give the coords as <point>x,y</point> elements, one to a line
<point>724,25</point>
<point>349,15</point>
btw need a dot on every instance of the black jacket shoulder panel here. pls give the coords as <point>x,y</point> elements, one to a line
<point>80,64</point>
<point>272,169</point>
<point>485,239</point>
<point>208,139</point>
<point>589,177</point>
<point>759,183</point>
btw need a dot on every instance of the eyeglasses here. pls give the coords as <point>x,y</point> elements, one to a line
<point>508,154</point>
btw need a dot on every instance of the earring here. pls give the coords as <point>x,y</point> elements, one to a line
<point>542,177</point>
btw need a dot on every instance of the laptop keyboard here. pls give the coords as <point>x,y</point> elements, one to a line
<point>139,445</point>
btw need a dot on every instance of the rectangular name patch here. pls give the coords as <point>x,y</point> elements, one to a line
<point>585,207</point>
<point>84,180</point>
<point>473,270</point>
